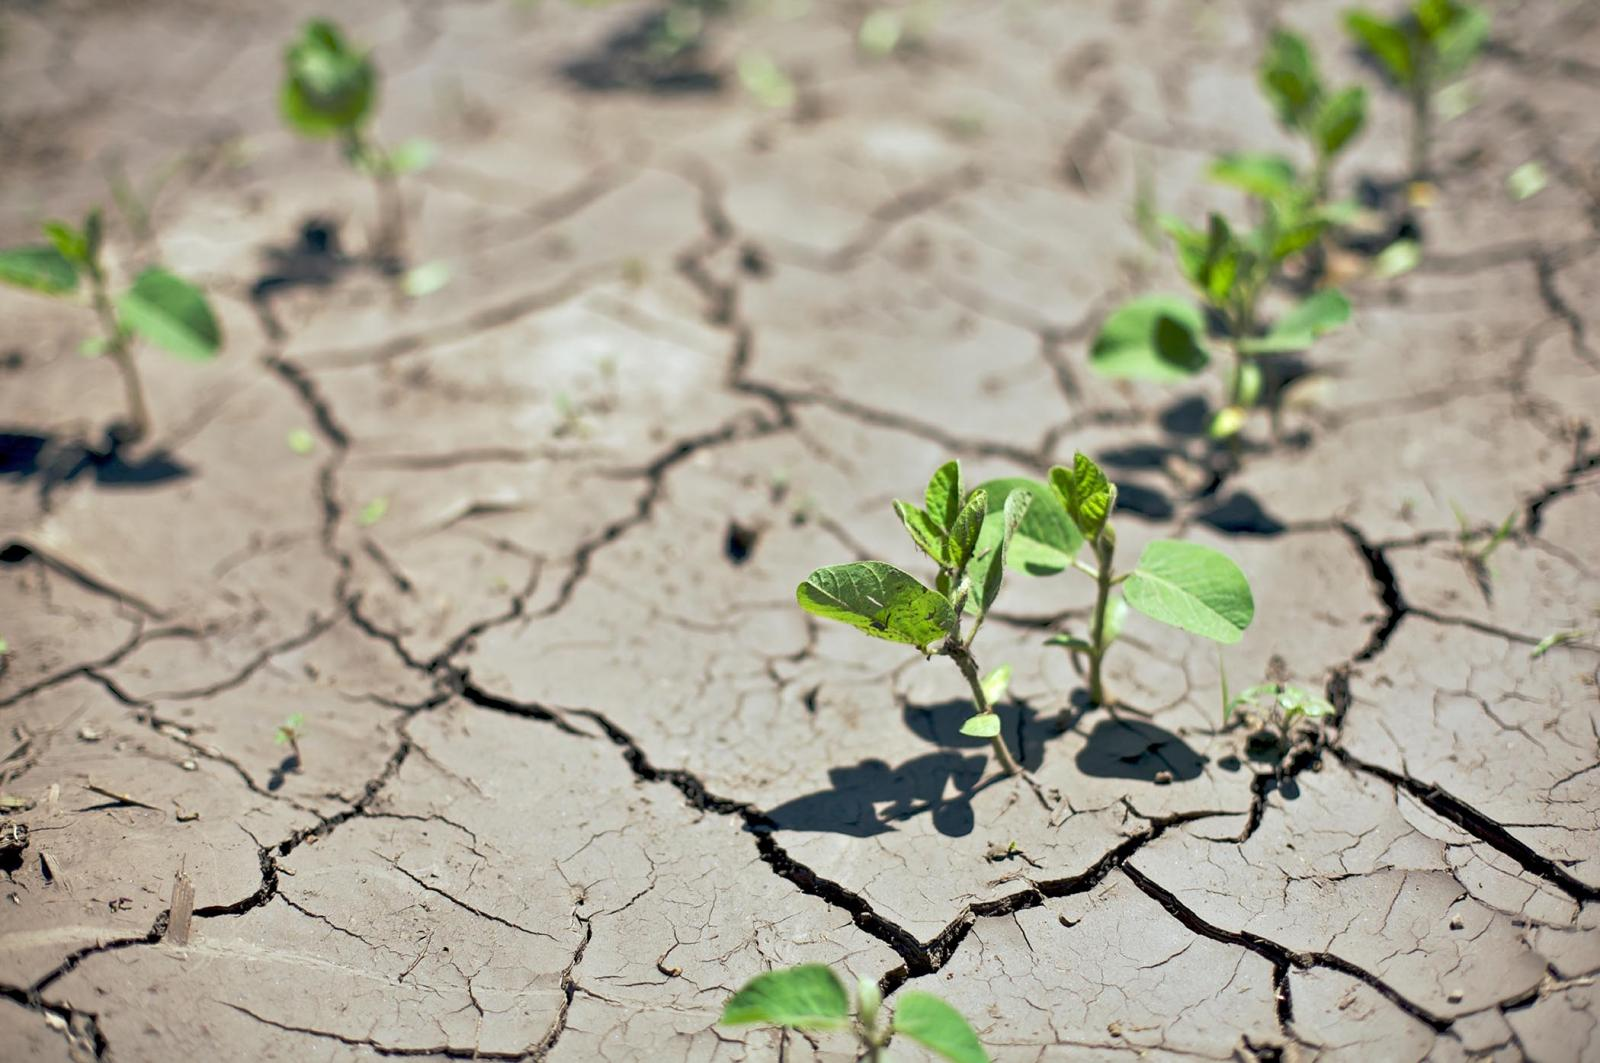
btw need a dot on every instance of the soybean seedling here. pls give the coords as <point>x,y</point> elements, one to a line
<point>1422,51</point>
<point>810,998</point>
<point>330,91</point>
<point>1475,546</point>
<point>1184,585</point>
<point>1278,715</point>
<point>159,306</point>
<point>290,732</point>
<point>1163,337</point>
<point>887,603</point>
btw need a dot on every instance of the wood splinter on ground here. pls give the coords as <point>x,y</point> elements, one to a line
<point>181,912</point>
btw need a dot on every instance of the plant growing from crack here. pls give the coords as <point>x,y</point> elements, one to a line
<point>158,306</point>
<point>1279,714</point>
<point>289,733</point>
<point>1422,51</point>
<point>967,535</point>
<point>1474,547</point>
<point>811,998</point>
<point>1164,338</point>
<point>330,91</point>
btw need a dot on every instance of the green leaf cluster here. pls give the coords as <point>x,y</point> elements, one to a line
<point>1293,85</point>
<point>1287,703</point>
<point>328,88</point>
<point>812,998</point>
<point>1430,45</point>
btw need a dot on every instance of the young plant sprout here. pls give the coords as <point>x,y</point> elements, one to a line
<point>289,734</point>
<point>1422,51</point>
<point>159,307</point>
<point>1278,714</point>
<point>1162,337</point>
<point>967,536</point>
<point>811,998</point>
<point>1185,585</point>
<point>1475,546</point>
<point>329,92</point>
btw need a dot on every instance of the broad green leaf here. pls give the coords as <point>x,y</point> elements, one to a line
<point>964,532</point>
<point>1013,512</point>
<point>1340,119</point>
<point>1190,244</point>
<point>1135,344</point>
<point>72,243</point>
<point>1192,587</point>
<point>1045,541</point>
<point>1299,328</point>
<point>38,269</point>
<point>172,314</point>
<point>1116,619</point>
<point>808,997</point>
<point>1457,41</point>
<point>1258,173</point>
<point>1086,493</point>
<point>1221,267</point>
<point>1289,78</point>
<point>944,495</point>
<point>880,600</point>
<point>1402,256</point>
<point>1526,180</point>
<point>1386,41</point>
<point>929,540</point>
<point>982,725</point>
<point>937,1027</point>
<point>328,88</point>
<point>995,684</point>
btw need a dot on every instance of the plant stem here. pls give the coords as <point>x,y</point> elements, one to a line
<point>1097,632</point>
<point>118,350</point>
<point>959,653</point>
<point>387,250</point>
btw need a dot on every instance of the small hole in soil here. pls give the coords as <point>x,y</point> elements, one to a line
<point>753,261</point>
<point>14,554</point>
<point>741,541</point>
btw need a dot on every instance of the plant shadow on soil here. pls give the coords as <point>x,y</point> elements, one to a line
<point>634,59</point>
<point>314,259</point>
<point>1116,748</point>
<point>53,461</point>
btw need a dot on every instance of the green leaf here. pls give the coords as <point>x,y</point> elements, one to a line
<point>937,1027</point>
<point>38,269</point>
<point>1116,619</point>
<point>1387,41</point>
<point>1258,173</point>
<point>1526,180</point>
<point>301,441</point>
<point>425,279</point>
<point>328,89</point>
<point>1192,587</point>
<point>1086,493</point>
<point>995,684</point>
<point>944,495</point>
<point>1250,381</point>
<point>1289,78</point>
<point>1227,422</point>
<point>992,566</point>
<point>809,997</point>
<point>982,725</point>
<point>1220,268</point>
<point>5,647</point>
<point>1545,645</point>
<point>1340,119</point>
<point>1045,541</point>
<point>1402,256</point>
<point>70,242</point>
<point>964,532</point>
<point>412,155</point>
<point>878,599</point>
<point>172,314</point>
<point>373,512</point>
<point>1296,330</point>
<point>1071,642</point>
<point>1457,38</point>
<point>765,80</point>
<point>929,539</point>
<point>1151,338</point>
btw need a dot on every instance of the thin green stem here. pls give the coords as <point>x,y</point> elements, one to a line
<point>119,351</point>
<point>959,653</point>
<point>1097,632</point>
<point>388,248</point>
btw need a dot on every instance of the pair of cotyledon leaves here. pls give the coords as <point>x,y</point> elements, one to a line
<point>811,997</point>
<point>160,306</point>
<point>1037,529</point>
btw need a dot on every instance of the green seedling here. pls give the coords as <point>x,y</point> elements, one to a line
<point>1328,121</point>
<point>1164,337</point>
<point>1422,51</point>
<point>1474,546</point>
<point>1277,713</point>
<point>330,92</point>
<point>811,998</point>
<point>290,732</point>
<point>967,535</point>
<point>1185,585</point>
<point>158,306</point>
<point>1544,646</point>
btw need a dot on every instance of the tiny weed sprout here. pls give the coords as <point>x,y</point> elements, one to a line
<point>290,732</point>
<point>1422,52</point>
<point>330,91</point>
<point>1474,546</point>
<point>811,998</point>
<point>968,536</point>
<point>1164,337</point>
<point>1181,584</point>
<point>1544,646</point>
<point>158,306</point>
<point>1279,716</point>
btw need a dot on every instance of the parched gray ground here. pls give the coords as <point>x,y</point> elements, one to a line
<point>574,767</point>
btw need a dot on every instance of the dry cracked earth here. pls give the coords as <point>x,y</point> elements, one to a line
<point>574,766</point>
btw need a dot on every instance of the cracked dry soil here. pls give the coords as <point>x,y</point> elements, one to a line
<point>574,766</point>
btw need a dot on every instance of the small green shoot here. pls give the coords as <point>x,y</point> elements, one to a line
<point>1526,181</point>
<point>5,647</point>
<point>330,91</point>
<point>1545,645</point>
<point>290,732</point>
<point>1474,547</point>
<point>1422,51</point>
<point>811,998</point>
<point>159,306</point>
<point>968,536</point>
<point>301,441</point>
<point>1277,714</point>
<point>373,512</point>
<point>1328,120</point>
